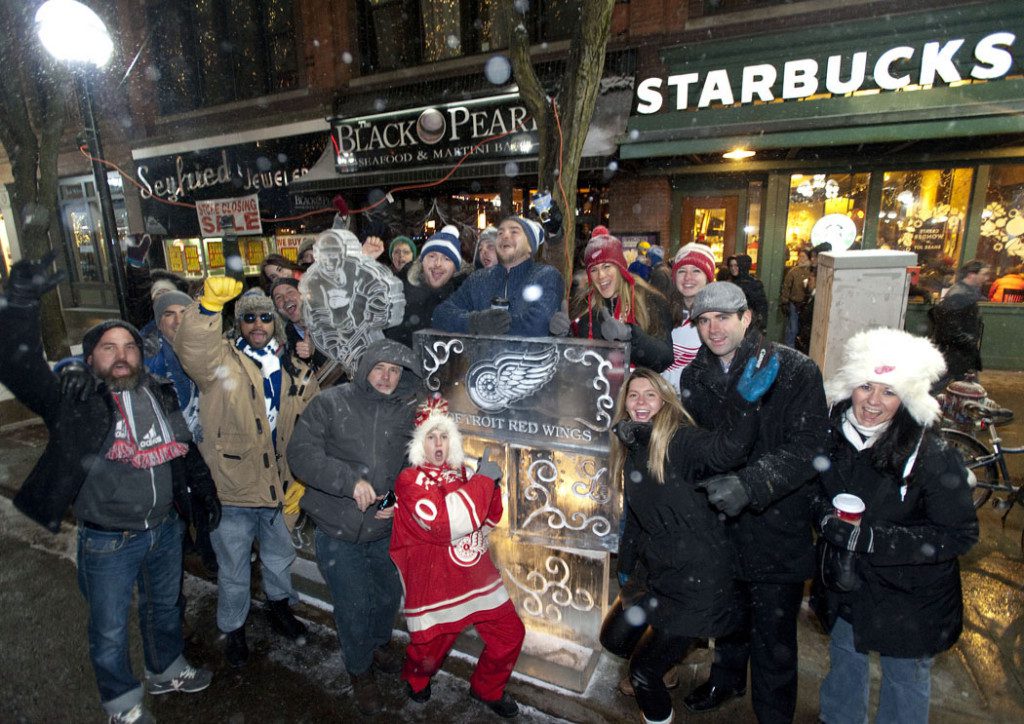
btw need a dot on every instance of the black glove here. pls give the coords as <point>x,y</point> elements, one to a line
<point>553,226</point>
<point>488,468</point>
<point>612,329</point>
<point>77,382</point>
<point>490,321</point>
<point>205,509</point>
<point>30,280</point>
<point>850,537</point>
<point>726,493</point>
<point>632,433</point>
<point>136,253</point>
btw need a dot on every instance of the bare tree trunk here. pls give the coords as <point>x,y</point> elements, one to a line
<point>33,99</point>
<point>563,117</point>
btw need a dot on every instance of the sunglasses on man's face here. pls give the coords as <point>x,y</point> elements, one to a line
<point>250,318</point>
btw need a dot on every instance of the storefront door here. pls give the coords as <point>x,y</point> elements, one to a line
<point>711,220</point>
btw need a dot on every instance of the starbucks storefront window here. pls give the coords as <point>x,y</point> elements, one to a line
<point>923,211</point>
<point>1001,242</point>
<point>815,196</point>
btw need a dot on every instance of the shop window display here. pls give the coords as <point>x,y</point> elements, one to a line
<point>815,196</point>
<point>923,211</point>
<point>1001,242</point>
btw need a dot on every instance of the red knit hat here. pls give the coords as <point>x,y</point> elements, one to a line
<point>606,249</point>
<point>698,255</point>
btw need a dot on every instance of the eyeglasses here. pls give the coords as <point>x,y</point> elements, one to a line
<point>266,318</point>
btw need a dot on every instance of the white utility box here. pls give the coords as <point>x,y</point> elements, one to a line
<point>857,290</point>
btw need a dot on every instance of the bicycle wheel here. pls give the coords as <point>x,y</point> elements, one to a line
<point>970,449</point>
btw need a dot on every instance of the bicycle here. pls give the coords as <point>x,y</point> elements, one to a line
<point>987,471</point>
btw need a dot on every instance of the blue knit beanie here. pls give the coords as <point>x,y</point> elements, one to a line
<point>446,242</point>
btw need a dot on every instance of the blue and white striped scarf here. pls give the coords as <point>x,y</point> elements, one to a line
<point>270,366</point>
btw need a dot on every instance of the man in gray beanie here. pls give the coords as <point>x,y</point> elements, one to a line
<point>766,500</point>
<point>516,296</point>
<point>250,396</point>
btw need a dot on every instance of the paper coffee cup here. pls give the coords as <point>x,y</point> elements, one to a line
<point>848,507</point>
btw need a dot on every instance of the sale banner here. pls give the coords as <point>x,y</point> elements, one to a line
<point>245,211</point>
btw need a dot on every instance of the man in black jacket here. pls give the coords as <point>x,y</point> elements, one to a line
<point>767,501</point>
<point>956,321</point>
<point>121,455</point>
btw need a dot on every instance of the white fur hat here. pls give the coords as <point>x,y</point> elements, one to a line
<point>907,364</point>
<point>431,415</point>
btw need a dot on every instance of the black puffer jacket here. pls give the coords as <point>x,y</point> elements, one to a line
<point>957,329</point>
<point>352,432</point>
<point>773,533</point>
<point>676,538</point>
<point>420,301</point>
<point>910,603</point>
<point>653,351</point>
<point>78,429</point>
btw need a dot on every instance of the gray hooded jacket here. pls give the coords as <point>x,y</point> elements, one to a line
<point>354,432</point>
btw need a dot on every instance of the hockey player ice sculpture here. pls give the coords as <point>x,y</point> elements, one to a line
<point>350,298</point>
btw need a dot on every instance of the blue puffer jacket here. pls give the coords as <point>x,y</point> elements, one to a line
<point>534,292</point>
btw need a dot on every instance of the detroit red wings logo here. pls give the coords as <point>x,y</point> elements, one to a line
<point>469,549</point>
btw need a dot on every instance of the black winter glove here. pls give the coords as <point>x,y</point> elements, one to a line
<point>205,510</point>
<point>489,321</point>
<point>136,253</point>
<point>489,468</point>
<point>612,329</point>
<point>77,382</point>
<point>553,226</point>
<point>726,493</point>
<point>850,537</point>
<point>30,280</point>
<point>632,433</point>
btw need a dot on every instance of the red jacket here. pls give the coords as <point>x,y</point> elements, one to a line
<point>439,544</point>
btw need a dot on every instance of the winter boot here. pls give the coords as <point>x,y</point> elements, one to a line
<point>505,707</point>
<point>671,682</point>
<point>387,660</point>
<point>236,650</point>
<point>420,697</point>
<point>284,622</point>
<point>366,693</point>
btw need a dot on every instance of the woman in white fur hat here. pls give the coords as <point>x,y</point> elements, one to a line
<point>904,600</point>
<point>439,545</point>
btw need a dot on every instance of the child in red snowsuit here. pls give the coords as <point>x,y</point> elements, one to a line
<point>439,544</point>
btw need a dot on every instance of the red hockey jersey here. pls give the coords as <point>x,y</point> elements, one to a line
<point>439,544</point>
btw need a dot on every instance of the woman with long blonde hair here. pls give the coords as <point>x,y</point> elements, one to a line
<point>676,566</point>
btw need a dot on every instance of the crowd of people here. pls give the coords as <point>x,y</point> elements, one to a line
<point>230,429</point>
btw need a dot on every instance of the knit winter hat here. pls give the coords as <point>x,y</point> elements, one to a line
<point>398,240</point>
<point>283,282</point>
<point>93,335</point>
<point>161,303</point>
<point>255,301</point>
<point>534,231</point>
<point>446,241</point>
<point>656,254</point>
<point>906,364</point>
<point>718,297</point>
<point>698,255</point>
<point>431,415</point>
<point>161,286</point>
<point>606,249</point>
<point>306,245</point>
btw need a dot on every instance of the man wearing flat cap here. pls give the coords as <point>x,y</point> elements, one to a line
<point>766,501</point>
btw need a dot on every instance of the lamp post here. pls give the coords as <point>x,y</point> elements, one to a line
<point>74,34</point>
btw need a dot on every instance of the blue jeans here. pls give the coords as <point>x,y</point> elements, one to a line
<point>110,565</point>
<point>792,324</point>
<point>232,542</point>
<point>366,592</point>
<point>906,685</point>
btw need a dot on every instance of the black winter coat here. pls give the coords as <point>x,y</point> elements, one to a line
<point>753,290</point>
<point>957,329</point>
<point>78,429</point>
<point>677,538</point>
<point>773,533</point>
<point>910,603</point>
<point>645,350</point>
<point>420,301</point>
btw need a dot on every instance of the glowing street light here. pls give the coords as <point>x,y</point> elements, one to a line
<point>72,33</point>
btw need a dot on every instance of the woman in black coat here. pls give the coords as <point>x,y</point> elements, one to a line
<point>617,306</point>
<point>902,597</point>
<point>676,566</point>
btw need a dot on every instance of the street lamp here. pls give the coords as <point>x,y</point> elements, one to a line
<point>74,34</point>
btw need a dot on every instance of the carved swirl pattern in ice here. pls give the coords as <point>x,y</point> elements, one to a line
<point>605,403</point>
<point>439,354</point>
<point>561,596</point>
<point>543,473</point>
<point>592,486</point>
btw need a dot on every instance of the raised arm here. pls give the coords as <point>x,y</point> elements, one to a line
<point>200,347</point>
<point>441,518</point>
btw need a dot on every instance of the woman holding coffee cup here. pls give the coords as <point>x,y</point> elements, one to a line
<point>894,500</point>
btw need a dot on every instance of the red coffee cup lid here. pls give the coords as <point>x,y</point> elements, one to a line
<point>848,503</point>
